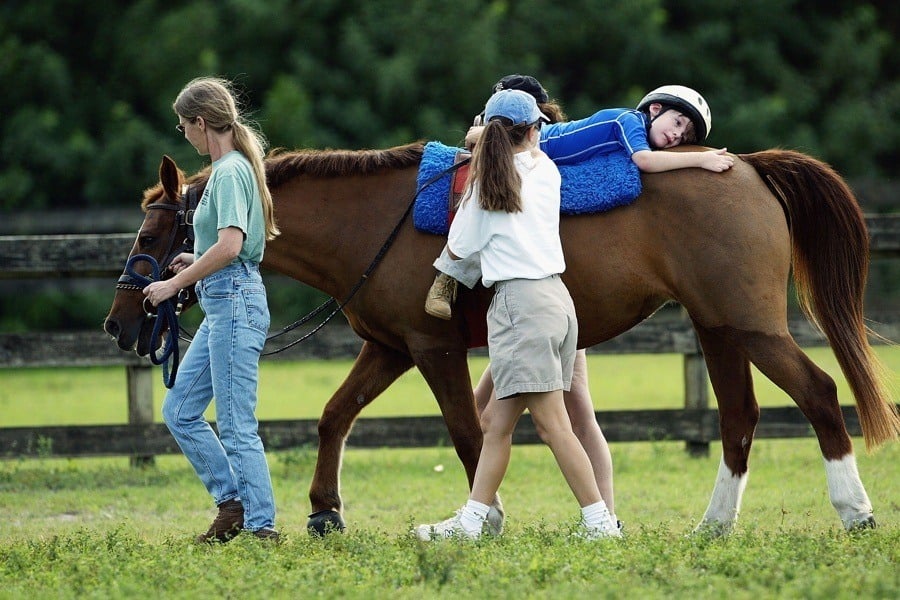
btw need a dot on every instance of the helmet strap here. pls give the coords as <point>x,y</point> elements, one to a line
<point>662,110</point>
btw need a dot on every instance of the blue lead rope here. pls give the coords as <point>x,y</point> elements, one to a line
<point>165,315</point>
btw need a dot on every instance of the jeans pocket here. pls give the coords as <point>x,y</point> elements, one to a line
<point>217,287</point>
<point>257,310</point>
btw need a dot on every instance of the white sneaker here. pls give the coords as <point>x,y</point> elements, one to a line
<point>445,529</point>
<point>495,516</point>
<point>607,529</point>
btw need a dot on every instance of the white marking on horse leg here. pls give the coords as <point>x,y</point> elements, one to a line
<point>725,503</point>
<point>848,496</point>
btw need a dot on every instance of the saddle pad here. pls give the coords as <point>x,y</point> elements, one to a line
<point>431,211</point>
<point>595,185</point>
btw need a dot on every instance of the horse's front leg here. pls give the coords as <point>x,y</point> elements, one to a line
<point>447,373</point>
<point>376,367</point>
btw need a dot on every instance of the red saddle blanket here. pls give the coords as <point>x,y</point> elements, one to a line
<point>472,306</point>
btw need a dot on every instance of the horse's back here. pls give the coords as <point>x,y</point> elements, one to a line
<point>712,241</point>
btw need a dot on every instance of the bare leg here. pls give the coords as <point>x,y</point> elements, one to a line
<point>548,409</point>
<point>498,423</point>
<point>580,408</point>
<point>484,390</point>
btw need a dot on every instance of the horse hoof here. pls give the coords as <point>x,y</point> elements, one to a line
<point>862,524</point>
<point>712,529</point>
<point>325,522</point>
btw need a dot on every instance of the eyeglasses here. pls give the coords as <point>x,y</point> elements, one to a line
<point>180,127</point>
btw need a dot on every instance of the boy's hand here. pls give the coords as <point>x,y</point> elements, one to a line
<point>472,136</point>
<point>717,160</point>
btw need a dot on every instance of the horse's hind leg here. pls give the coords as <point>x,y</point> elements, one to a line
<point>729,372</point>
<point>780,359</point>
<point>376,368</point>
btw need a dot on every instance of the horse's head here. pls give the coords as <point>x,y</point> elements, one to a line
<point>166,232</point>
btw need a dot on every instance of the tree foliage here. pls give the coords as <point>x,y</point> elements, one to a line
<point>87,105</point>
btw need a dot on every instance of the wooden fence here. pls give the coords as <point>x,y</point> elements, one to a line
<point>74,256</point>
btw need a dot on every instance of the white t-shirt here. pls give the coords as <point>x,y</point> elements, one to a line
<point>523,245</point>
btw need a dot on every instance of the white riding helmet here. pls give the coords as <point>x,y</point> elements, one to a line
<point>688,101</point>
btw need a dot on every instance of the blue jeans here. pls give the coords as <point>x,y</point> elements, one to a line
<point>223,362</point>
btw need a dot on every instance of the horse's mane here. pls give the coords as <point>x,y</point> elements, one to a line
<point>151,195</point>
<point>282,166</point>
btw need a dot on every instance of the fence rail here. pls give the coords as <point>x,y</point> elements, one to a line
<point>28,257</point>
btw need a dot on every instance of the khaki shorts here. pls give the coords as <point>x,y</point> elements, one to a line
<point>532,336</point>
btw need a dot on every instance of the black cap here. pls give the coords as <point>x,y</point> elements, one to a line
<point>526,83</point>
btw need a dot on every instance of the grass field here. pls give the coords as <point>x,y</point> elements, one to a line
<point>95,528</point>
<point>299,390</point>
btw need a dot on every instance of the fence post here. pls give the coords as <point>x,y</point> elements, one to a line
<point>696,393</point>
<point>696,396</point>
<point>140,404</point>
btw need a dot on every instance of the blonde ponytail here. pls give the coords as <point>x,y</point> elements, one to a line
<point>213,99</point>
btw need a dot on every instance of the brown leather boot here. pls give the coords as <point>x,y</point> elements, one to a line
<point>440,296</point>
<point>269,535</point>
<point>227,524</point>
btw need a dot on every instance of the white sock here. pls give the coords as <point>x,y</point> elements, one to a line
<point>596,515</point>
<point>473,516</point>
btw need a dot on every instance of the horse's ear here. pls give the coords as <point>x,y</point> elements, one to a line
<point>170,178</point>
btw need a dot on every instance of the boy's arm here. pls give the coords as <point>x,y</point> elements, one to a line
<point>650,161</point>
<point>472,136</point>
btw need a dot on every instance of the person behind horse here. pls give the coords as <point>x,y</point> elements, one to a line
<point>510,216</point>
<point>232,223</point>
<point>579,141</point>
<point>578,400</point>
<point>668,116</point>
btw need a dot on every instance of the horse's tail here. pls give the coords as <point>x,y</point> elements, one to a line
<point>830,247</point>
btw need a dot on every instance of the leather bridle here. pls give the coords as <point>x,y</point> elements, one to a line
<point>183,224</point>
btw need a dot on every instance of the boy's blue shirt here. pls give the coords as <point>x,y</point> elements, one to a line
<point>608,130</point>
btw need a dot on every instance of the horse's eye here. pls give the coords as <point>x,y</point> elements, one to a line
<point>146,240</point>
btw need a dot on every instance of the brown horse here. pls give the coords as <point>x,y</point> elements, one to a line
<point>722,245</point>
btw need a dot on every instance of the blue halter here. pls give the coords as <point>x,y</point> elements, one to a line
<point>166,314</point>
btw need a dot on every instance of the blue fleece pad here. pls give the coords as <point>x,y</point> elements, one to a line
<point>432,208</point>
<point>595,185</point>
<point>599,184</point>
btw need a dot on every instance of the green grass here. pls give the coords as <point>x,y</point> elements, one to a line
<point>94,528</point>
<point>299,390</point>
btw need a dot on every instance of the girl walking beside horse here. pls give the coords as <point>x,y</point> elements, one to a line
<point>510,216</point>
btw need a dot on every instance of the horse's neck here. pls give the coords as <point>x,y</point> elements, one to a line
<point>332,229</point>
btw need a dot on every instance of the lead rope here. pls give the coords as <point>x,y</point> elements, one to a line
<point>166,314</point>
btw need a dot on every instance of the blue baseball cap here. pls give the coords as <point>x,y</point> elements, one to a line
<point>514,105</point>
